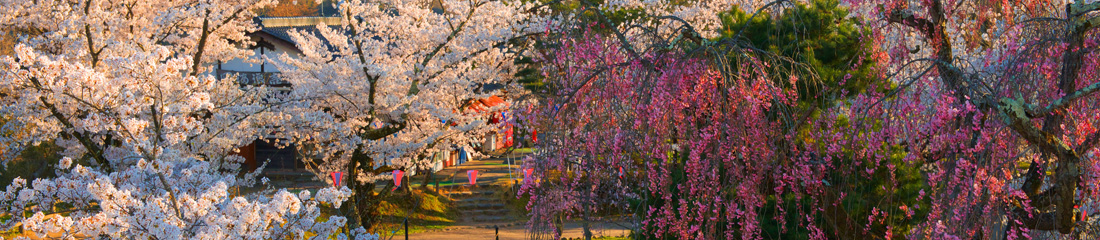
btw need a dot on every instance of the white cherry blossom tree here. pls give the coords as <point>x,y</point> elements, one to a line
<point>149,134</point>
<point>394,83</point>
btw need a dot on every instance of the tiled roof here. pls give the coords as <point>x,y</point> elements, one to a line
<point>280,27</point>
<point>283,33</point>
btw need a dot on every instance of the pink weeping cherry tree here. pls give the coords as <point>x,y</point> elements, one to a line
<point>998,101</point>
<point>983,126</point>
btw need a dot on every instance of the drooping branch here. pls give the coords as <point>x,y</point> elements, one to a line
<point>1037,221</point>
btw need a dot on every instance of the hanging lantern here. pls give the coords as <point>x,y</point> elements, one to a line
<point>527,174</point>
<point>472,174</point>
<point>337,178</point>
<point>397,174</point>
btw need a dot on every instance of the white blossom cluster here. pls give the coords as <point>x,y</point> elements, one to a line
<point>124,80</point>
<point>702,15</point>
<point>406,66</point>
<point>124,86</point>
<point>178,199</point>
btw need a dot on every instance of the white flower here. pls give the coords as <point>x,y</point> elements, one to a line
<point>304,195</point>
<point>65,163</point>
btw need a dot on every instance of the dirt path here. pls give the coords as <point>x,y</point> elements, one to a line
<point>491,171</point>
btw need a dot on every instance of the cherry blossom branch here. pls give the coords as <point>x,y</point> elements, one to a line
<point>171,194</point>
<point>454,33</point>
<point>97,153</point>
<point>476,53</point>
<point>592,76</point>
<point>933,31</point>
<point>1064,101</point>
<point>1090,142</point>
<point>379,133</point>
<point>1014,115</point>
<point>88,35</point>
<point>907,18</point>
<point>196,61</point>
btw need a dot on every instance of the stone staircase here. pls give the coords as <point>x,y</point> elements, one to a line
<point>481,206</point>
<point>290,179</point>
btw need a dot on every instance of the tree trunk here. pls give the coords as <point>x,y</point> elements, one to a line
<point>587,230</point>
<point>427,179</point>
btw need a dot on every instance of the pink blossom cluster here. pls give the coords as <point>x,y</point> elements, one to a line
<point>986,127</point>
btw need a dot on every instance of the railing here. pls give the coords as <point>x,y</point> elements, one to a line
<point>271,79</point>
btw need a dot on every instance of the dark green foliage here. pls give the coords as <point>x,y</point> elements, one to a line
<point>827,52</point>
<point>34,162</point>
<point>885,190</point>
<point>817,35</point>
<point>530,76</point>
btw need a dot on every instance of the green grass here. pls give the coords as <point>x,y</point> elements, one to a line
<point>524,150</point>
<point>434,211</point>
<point>449,184</point>
<point>8,233</point>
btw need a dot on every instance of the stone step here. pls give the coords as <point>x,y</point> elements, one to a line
<point>292,176</point>
<point>468,194</point>
<point>288,174</point>
<point>297,185</point>
<point>489,218</point>
<point>477,199</point>
<point>486,212</point>
<point>480,205</point>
